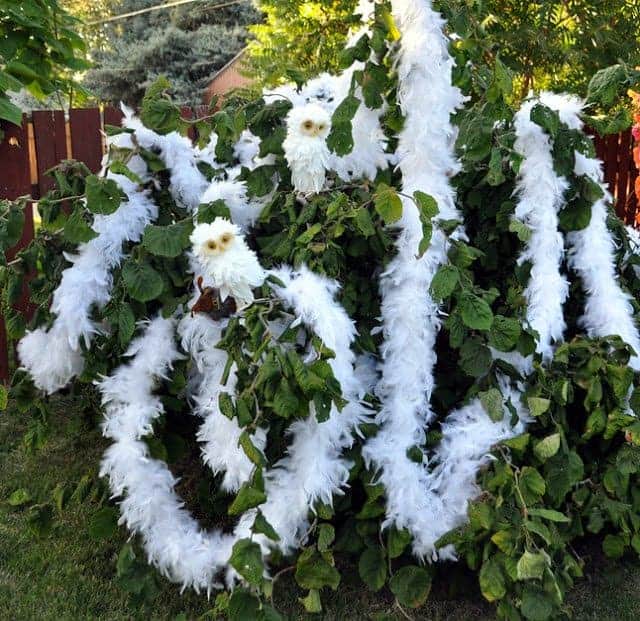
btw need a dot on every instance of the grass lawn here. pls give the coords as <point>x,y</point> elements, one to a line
<point>67,575</point>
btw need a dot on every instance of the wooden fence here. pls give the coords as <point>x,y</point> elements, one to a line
<point>48,137</point>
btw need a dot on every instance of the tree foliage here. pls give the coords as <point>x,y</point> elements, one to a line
<point>299,39</point>
<point>188,44</point>
<point>548,45</point>
<point>39,51</point>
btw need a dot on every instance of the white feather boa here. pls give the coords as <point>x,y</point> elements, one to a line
<point>219,435</point>
<point>53,357</point>
<point>426,160</point>
<point>314,468</point>
<point>172,538</point>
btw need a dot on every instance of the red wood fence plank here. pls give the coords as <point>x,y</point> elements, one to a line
<point>113,116</point>
<point>15,182</point>
<point>611,161</point>
<point>51,144</point>
<point>86,141</point>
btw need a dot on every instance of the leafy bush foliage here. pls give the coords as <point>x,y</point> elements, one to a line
<point>39,52</point>
<point>572,474</point>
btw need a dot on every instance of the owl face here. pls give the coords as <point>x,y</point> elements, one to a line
<point>212,240</point>
<point>218,245</point>
<point>314,129</point>
<point>310,121</point>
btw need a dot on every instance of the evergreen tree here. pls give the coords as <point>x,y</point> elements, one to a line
<point>187,44</point>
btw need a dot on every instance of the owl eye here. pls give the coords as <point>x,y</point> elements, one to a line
<point>226,238</point>
<point>321,126</point>
<point>211,245</point>
<point>307,125</point>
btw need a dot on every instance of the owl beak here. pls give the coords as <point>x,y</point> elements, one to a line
<point>316,131</point>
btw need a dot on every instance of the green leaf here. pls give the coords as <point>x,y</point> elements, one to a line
<point>411,585</point>
<point>142,281</point>
<point>19,497</point>
<point>428,209</point>
<point>340,139</point>
<point>444,282</point>
<point>103,524</point>
<point>126,324</point>
<point>311,602</point>
<point>225,403</point>
<point>492,584</point>
<point>538,405</point>
<point>546,118</point>
<point>397,541</point>
<point>475,312</point>
<point>531,566</point>
<point>326,536</point>
<point>607,85</point>
<point>247,498</point>
<point>76,229</point>
<point>104,196</point>
<point>250,450</point>
<point>613,546</point>
<point>364,222</point>
<point>261,526</point>
<point>243,606</point>
<point>536,604</point>
<point>387,203</point>
<point>9,111</point>
<point>167,241</point>
<point>120,168</point>
<point>475,358</point>
<point>520,229</point>
<point>549,514</point>
<point>576,216</point>
<point>504,333</point>
<point>208,212</point>
<point>547,447</point>
<point>372,567</point>
<point>285,403</point>
<point>314,572</point>
<point>158,112</point>
<point>492,403</point>
<point>532,485</point>
<point>246,559</point>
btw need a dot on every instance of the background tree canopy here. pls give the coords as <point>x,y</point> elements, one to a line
<point>549,45</point>
<point>557,45</point>
<point>188,44</point>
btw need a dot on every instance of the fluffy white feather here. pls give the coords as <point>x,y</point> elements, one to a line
<point>314,467</point>
<point>54,357</point>
<point>426,161</point>
<point>172,538</point>
<point>225,258</point>
<point>305,147</point>
<point>541,196</point>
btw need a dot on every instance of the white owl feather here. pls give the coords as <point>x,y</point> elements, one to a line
<point>227,260</point>
<point>305,147</point>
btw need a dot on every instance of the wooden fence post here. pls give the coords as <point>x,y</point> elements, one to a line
<point>15,182</point>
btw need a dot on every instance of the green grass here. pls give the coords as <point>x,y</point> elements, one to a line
<point>66,575</point>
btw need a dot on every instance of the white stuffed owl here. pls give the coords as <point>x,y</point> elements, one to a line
<point>227,260</point>
<point>305,147</point>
